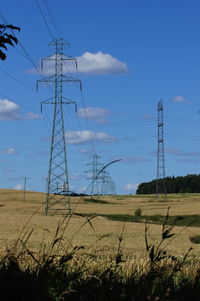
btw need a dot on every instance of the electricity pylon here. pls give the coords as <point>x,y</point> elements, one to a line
<point>57,195</point>
<point>108,186</point>
<point>112,188</point>
<point>96,167</point>
<point>105,177</point>
<point>160,185</point>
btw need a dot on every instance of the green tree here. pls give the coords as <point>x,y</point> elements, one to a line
<point>180,184</point>
<point>7,39</point>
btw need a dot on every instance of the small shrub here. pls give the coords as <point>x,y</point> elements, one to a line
<point>120,198</point>
<point>195,239</point>
<point>93,200</point>
<point>138,212</point>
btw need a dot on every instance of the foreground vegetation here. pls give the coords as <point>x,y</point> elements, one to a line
<point>58,280</point>
<point>59,273</point>
<point>99,255</point>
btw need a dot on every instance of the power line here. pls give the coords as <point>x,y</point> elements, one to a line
<point>25,51</point>
<point>29,58</point>
<point>30,19</point>
<point>83,101</point>
<point>51,17</point>
<point>87,120</point>
<point>28,108</point>
<point>25,107</point>
<point>45,21</point>
<point>17,80</point>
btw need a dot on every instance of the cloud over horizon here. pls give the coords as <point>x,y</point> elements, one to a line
<point>98,63</point>
<point>18,186</point>
<point>181,99</point>
<point>131,187</point>
<point>9,151</point>
<point>10,110</point>
<point>95,114</point>
<point>84,136</point>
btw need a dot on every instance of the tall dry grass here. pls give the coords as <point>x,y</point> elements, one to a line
<point>61,270</point>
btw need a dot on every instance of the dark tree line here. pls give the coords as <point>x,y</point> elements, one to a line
<point>182,184</point>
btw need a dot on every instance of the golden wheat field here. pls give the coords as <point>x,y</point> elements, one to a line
<point>19,217</point>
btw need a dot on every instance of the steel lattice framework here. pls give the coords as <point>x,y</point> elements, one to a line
<point>108,186</point>
<point>161,185</point>
<point>101,179</point>
<point>57,195</point>
<point>94,175</point>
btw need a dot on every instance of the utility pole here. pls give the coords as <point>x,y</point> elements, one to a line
<point>160,185</point>
<point>57,195</point>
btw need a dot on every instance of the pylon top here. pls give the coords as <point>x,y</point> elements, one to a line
<point>59,41</point>
<point>160,106</point>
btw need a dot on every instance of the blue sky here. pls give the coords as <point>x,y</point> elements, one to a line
<point>130,55</point>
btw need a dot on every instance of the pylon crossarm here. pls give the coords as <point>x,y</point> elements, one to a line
<point>47,79</point>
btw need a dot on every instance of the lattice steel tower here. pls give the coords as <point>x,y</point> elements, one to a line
<point>105,176</point>
<point>96,179</point>
<point>160,185</point>
<point>57,195</point>
<point>108,186</point>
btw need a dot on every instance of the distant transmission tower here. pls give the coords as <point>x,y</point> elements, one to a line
<point>57,195</point>
<point>160,185</point>
<point>108,186</point>
<point>105,178</point>
<point>93,175</point>
<point>112,188</point>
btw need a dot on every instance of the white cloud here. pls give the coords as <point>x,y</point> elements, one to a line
<point>131,187</point>
<point>100,63</point>
<point>76,137</point>
<point>9,151</point>
<point>181,99</point>
<point>7,106</point>
<point>96,114</point>
<point>18,187</point>
<point>88,63</point>
<point>9,110</point>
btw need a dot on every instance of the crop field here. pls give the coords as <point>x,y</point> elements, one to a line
<point>107,217</point>
<point>110,248</point>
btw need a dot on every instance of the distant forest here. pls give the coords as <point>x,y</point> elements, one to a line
<point>184,184</point>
